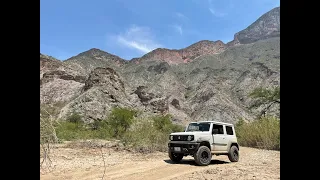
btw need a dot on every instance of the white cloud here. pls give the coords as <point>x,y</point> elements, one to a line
<point>211,10</point>
<point>139,38</point>
<point>220,10</point>
<point>181,16</point>
<point>217,14</point>
<point>178,28</point>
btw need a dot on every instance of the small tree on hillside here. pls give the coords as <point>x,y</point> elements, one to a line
<point>266,97</point>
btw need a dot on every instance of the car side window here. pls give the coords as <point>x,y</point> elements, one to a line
<point>217,129</point>
<point>229,130</point>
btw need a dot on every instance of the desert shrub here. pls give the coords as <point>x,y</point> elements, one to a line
<point>177,128</point>
<point>47,136</point>
<point>72,128</point>
<point>120,120</point>
<point>163,123</point>
<point>71,131</point>
<point>142,135</point>
<point>263,133</point>
<point>47,131</point>
<point>146,138</point>
<point>115,125</point>
<point>102,130</point>
<point>80,131</point>
<point>74,118</point>
<point>151,136</point>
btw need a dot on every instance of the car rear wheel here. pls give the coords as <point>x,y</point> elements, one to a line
<point>233,154</point>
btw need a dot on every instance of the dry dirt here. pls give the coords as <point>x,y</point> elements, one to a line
<point>87,164</point>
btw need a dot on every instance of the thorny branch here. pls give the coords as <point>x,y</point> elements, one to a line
<point>47,136</point>
<point>104,163</point>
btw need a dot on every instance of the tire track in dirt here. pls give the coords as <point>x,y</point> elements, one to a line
<point>253,164</point>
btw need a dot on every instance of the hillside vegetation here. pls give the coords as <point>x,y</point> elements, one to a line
<point>150,133</point>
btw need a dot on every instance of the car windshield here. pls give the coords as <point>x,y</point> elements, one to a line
<point>198,127</point>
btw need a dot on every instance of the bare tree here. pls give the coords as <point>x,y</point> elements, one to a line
<point>47,137</point>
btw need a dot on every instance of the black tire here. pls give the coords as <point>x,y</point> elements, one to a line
<point>233,154</point>
<point>175,157</point>
<point>203,156</point>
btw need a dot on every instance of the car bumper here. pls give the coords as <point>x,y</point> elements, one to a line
<point>183,147</point>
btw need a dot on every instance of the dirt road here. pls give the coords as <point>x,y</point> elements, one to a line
<point>91,164</point>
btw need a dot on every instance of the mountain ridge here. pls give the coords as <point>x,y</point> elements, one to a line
<point>266,26</point>
<point>208,79</point>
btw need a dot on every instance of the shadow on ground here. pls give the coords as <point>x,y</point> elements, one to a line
<point>192,162</point>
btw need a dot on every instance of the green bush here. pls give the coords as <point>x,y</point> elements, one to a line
<point>177,128</point>
<point>152,135</point>
<point>70,131</point>
<point>80,131</point>
<point>116,125</point>
<point>102,130</point>
<point>138,134</point>
<point>74,118</point>
<point>164,124</point>
<point>263,133</point>
<point>146,138</point>
<point>120,120</point>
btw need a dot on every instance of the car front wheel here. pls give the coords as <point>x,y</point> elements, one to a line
<point>175,157</point>
<point>203,156</point>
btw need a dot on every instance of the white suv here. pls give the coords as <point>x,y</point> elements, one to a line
<point>203,139</point>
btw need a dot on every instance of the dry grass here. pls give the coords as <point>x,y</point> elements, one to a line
<point>263,133</point>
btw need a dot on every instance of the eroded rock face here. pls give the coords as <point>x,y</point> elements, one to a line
<point>48,63</point>
<point>267,26</point>
<point>185,55</point>
<point>214,87</point>
<point>57,74</point>
<point>143,95</point>
<point>87,61</point>
<point>104,77</point>
<point>103,90</point>
<point>160,68</point>
<point>175,103</point>
<point>59,90</point>
<point>205,81</point>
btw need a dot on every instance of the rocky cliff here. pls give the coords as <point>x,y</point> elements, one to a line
<point>208,80</point>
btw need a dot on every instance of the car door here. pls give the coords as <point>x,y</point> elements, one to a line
<point>220,142</point>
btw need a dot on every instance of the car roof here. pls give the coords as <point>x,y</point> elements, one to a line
<point>214,122</point>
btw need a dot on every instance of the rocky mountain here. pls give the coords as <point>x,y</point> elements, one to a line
<point>93,58</point>
<point>185,55</point>
<point>207,80</point>
<point>267,26</point>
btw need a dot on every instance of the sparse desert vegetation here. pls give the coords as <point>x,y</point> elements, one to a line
<point>103,117</point>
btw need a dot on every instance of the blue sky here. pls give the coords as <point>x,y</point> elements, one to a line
<point>131,28</point>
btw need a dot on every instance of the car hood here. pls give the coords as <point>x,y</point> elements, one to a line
<point>191,133</point>
<point>198,136</point>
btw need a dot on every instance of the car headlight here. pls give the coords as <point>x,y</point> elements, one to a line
<point>171,138</point>
<point>190,137</point>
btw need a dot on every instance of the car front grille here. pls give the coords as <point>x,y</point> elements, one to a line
<point>180,137</point>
